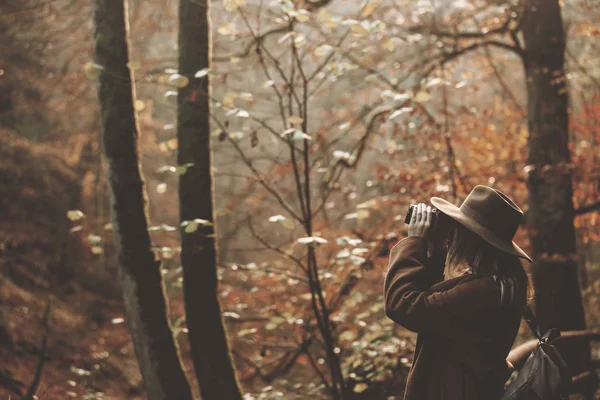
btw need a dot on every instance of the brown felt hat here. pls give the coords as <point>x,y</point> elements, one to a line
<point>490,214</point>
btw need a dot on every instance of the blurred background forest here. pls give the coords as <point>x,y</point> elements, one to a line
<point>329,117</point>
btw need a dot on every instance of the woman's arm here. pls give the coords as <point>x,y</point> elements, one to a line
<point>409,302</point>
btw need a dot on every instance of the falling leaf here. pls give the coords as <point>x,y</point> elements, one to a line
<point>202,73</point>
<point>245,332</point>
<point>232,5</point>
<point>403,96</point>
<point>299,41</point>
<point>80,371</point>
<point>360,28</point>
<point>394,114</point>
<point>246,96</point>
<point>285,37</point>
<point>191,227</point>
<point>182,169</point>
<point>96,250</point>
<point>323,50</point>
<point>421,97</point>
<point>94,239</point>
<point>433,82</point>
<point>172,144</point>
<point>399,112</point>
<point>269,83</point>
<point>343,253</point>
<point>341,155</point>
<point>178,80</point>
<point>75,215</point>
<point>362,214</point>
<point>295,120</point>
<point>302,15</point>
<point>166,168</point>
<point>388,44</point>
<point>360,251</point>
<point>92,70</point>
<point>231,314</point>
<point>296,134</point>
<point>117,320</point>
<point>243,114</point>
<point>344,126</point>
<point>360,387</point>
<point>169,94</point>
<point>276,218</point>
<point>227,29</point>
<point>238,135</point>
<point>369,8</point>
<point>270,326</point>
<point>312,240</point>
<point>348,336</point>
<point>161,188</point>
<point>229,99</point>
<point>139,105</point>
<point>356,260</point>
<point>332,22</point>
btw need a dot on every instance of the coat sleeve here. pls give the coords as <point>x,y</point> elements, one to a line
<point>410,303</point>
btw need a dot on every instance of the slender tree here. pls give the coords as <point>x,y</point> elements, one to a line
<point>551,212</point>
<point>139,270</point>
<point>209,347</point>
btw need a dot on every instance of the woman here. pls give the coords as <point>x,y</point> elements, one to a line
<point>465,306</point>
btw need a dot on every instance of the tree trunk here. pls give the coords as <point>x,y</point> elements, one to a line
<point>551,214</point>
<point>139,272</point>
<point>208,340</point>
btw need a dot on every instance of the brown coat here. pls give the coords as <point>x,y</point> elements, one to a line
<point>464,334</point>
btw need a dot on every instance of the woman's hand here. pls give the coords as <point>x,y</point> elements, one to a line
<point>420,221</point>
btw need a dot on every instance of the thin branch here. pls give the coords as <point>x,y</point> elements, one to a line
<point>267,185</point>
<point>505,28</point>
<point>318,370</point>
<point>272,248</point>
<point>583,69</point>
<point>256,41</point>
<point>588,208</point>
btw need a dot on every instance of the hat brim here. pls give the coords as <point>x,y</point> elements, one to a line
<point>454,212</point>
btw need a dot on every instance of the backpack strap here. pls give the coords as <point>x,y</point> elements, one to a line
<point>543,336</point>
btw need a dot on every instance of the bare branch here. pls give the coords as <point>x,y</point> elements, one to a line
<point>588,208</point>
<point>505,28</point>
<point>261,179</point>
<point>256,41</point>
<point>273,248</point>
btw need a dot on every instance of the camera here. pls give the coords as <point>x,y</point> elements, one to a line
<point>436,216</point>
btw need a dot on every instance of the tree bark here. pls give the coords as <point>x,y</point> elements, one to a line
<point>139,272</point>
<point>208,340</point>
<point>551,213</point>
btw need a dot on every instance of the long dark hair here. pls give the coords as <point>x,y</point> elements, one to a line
<point>468,249</point>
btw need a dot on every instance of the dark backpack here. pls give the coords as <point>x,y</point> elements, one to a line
<point>544,375</point>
